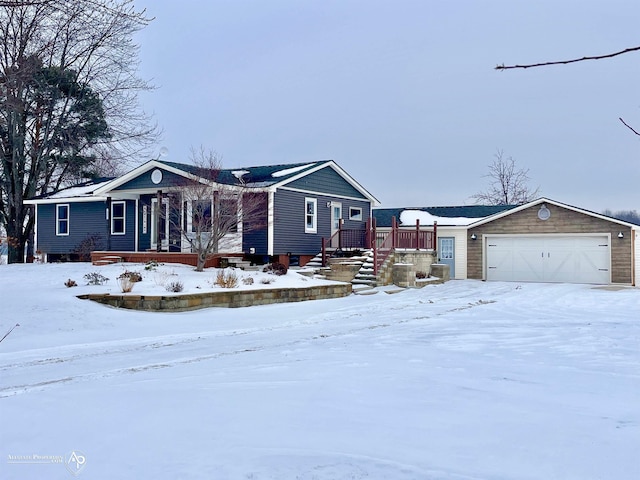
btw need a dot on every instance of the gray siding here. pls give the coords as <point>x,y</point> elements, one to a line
<point>85,219</point>
<point>125,243</point>
<point>289,234</point>
<point>144,181</point>
<point>326,180</point>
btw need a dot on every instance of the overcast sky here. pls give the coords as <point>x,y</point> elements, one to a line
<point>403,94</point>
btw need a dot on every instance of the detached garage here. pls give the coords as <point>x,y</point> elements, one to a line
<point>547,241</point>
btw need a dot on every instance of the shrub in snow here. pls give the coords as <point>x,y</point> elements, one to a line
<point>89,244</point>
<point>226,279</point>
<point>267,281</point>
<point>127,279</point>
<point>151,265</point>
<point>176,287</point>
<point>95,278</point>
<point>275,268</point>
<point>126,284</point>
<point>70,283</point>
<point>248,281</point>
<point>133,276</point>
<point>421,275</point>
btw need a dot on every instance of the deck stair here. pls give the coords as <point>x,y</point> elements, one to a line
<point>360,268</point>
<point>238,262</point>
<point>108,260</point>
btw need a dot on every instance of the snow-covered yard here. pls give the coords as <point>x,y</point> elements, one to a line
<point>466,380</point>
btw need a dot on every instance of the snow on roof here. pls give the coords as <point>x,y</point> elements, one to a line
<point>409,217</point>
<point>289,171</point>
<point>79,191</point>
<point>239,173</point>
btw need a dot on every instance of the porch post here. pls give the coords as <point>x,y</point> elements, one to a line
<point>394,232</point>
<point>324,252</point>
<point>158,222</point>
<point>417,234</point>
<point>434,243</point>
<point>374,245</point>
<point>108,221</point>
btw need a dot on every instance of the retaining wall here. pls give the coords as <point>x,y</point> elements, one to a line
<point>227,298</point>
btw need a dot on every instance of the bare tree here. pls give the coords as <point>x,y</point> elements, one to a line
<point>509,184</point>
<point>68,100</point>
<point>575,60</point>
<point>217,207</point>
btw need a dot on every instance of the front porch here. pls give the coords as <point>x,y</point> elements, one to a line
<point>107,257</point>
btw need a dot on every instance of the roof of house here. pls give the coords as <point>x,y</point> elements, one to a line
<point>544,200</point>
<point>80,190</point>
<point>264,176</point>
<point>260,176</point>
<point>444,215</point>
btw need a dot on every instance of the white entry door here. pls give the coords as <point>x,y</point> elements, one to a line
<point>549,258</point>
<point>336,218</point>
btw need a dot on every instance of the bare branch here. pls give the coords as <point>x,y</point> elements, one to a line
<point>628,126</point>
<point>565,62</point>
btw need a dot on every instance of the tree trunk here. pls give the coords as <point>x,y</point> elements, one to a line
<point>16,241</point>
<point>202,259</point>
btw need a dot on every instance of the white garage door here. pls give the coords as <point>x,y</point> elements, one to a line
<point>546,258</point>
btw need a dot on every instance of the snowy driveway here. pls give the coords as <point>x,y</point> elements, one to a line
<point>467,380</point>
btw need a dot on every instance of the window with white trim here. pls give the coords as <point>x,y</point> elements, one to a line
<point>62,219</point>
<point>355,213</point>
<point>310,215</point>
<point>118,214</point>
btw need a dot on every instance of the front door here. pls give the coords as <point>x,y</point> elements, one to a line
<point>160,224</point>
<point>336,219</point>
<point>446,253</point>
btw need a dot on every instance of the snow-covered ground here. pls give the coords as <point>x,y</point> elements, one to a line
<point>466,380</point>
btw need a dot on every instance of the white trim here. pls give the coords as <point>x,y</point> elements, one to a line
<point>35,230</point>
<point>314,227</point>
<point>68,220</point>
<point>46,201</point>
<point>136,230</point>
<point>533,203</point>
<point>124,217</point>
<point>356,218</point>
<point>331,164</point>
<point>136,172</point>
<point>270,222</point>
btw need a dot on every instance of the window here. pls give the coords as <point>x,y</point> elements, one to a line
<point>229,214</point>
<point>118,210</point>
<point>201,216</point>
<point>62,219</point>
<point>355,213</point>
<point>311,215</point>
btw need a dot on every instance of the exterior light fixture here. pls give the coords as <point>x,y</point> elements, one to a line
<point>621,235</point>
<point>473,236</point>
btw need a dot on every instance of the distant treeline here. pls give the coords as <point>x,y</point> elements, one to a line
<point>630,216</point>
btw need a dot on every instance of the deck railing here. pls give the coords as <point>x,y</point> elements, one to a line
<point>382,243</point>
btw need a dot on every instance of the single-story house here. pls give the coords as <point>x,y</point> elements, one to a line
<point>540,241</point>
<point>301,204</point>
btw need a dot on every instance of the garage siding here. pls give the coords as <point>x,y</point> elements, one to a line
<point>562,221</point>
